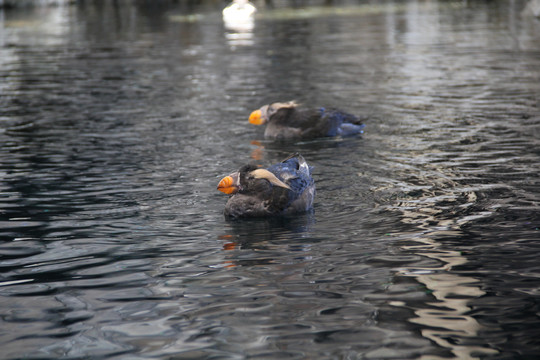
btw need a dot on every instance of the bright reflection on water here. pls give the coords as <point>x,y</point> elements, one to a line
<point>117,121</point>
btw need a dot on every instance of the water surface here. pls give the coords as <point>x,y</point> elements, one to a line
<point>117,122</point>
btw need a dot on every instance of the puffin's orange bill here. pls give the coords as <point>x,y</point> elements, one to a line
<point>256,118</point>
<point>226,185</point>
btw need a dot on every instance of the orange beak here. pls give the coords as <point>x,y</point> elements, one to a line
<point>256,118</point>
<point>227,186</point>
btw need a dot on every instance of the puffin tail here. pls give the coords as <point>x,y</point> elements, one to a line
<point>347,129</point>
<point>303,166</point>
<point>342,123</point>
<point>299,163</point>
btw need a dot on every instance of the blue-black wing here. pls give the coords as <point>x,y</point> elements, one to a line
<point>296,173</point>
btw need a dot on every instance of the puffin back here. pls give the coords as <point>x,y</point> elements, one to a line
<point>295,172</point>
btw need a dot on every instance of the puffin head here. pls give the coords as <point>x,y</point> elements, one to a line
<point>262,115</point>
<point>249,179</point>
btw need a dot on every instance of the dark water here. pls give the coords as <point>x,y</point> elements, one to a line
<point>117,120</point>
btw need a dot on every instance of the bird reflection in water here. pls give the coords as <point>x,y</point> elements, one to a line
<point>268,234</point>
<point>258,152</point>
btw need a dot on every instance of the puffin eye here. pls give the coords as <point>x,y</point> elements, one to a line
<point>270,111</point>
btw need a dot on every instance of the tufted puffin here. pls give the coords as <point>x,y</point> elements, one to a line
<point>288,121</point>
<point>283,188</point>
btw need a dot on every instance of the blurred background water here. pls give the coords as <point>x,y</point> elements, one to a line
<point>117,120</point>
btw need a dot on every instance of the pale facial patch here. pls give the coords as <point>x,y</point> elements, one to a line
<point>265,174</point>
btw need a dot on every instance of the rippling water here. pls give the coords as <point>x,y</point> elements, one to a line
<point>117,122</point>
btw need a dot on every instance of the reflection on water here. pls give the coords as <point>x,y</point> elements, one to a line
<point>238,19</point>
<point>117,120</point>
<point>447,318</point>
